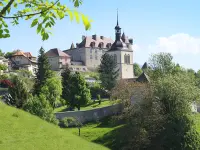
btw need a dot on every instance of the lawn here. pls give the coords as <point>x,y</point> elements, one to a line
<point>104,132</point>
<point>21,131</point>
<point>91,105</point>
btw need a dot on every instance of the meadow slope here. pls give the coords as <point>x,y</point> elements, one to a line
<point>20,130</point>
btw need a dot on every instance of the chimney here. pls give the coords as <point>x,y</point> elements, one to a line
<point>94,37</point>
<point>131,41</point>
<point>102,37</point>
<point>83,37</point>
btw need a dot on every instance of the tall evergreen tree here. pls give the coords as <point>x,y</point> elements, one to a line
<point>66,84</point>
<point>44,71</point>
<point>108,72</point>
<point>80,93</point>
<point>137,69</point>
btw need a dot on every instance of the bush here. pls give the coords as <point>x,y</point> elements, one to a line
<point>67,121</point>
<point>97,90</point>
<point>39,106</point>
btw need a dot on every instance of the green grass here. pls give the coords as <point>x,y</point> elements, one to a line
<point>105,133</point>
<point>91,105</point>
<point>21,131</point>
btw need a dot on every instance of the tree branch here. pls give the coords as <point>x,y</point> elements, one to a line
<point>32,14</point>
<point>6,7</point>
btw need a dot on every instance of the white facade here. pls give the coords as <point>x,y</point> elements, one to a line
<point>125,69</point>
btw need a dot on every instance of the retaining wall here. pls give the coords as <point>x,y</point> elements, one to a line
<point>91,115</point>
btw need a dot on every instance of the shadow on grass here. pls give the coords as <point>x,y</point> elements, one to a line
<point>113,139</point>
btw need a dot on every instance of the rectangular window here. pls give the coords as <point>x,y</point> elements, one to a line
<point>96,57</point>
<point>95,50</point>
<point>90,56</point>
<point>91,50</point>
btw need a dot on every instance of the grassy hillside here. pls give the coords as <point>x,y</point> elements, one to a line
<point>21,131</point>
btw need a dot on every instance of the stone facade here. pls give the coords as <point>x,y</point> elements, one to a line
<point>90,50</point>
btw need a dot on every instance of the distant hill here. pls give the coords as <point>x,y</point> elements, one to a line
<point>20,130</point>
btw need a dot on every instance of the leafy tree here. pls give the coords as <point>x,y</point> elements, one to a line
<point>108,72</point>
<point>42,14</point>
<point>80,94</point>
<point>3,67</point>
<point>9,54</point>
<point>44,71</point>
<point>52,89</point>
<point>40,106</point>
<point>1,53</point>
<point>162,117</point>
<point>18,92</point>
<point>137,69</point>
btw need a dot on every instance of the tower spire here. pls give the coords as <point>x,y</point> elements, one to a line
<point>117,18</point>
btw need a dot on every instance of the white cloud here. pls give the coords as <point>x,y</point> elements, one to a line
<point>176,44</point>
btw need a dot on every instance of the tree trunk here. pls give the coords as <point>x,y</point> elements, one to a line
<point>79,131</point>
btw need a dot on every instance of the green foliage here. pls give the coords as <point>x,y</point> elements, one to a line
<point>65,122</point>
<point>1,53</point>
<point>19,92</point>
<point>4,76</point>
<point>42,14</point>
<point>40,106</point>
<point>96,89</point>
<point>75,90</point>
<point>3,67</point>
<point>24,73</point>
<point>52,89</point>
<point>137,70</point>
<point>66,84</point>
<point>44,71</point>
<point>80,94</point>
<point>108,72</point>
<point>30,132</point>
<point>162,118</point>
<point>9,54</point>
<point>99,98</point>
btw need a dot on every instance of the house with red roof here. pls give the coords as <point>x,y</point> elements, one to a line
<point>58,59</point>
<point>23,60</point>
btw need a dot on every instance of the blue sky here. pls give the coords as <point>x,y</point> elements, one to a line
<point>155,26</point>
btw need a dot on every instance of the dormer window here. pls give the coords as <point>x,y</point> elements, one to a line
<point>101,45</point>
<point>92,44</point>
<point>108,45</point>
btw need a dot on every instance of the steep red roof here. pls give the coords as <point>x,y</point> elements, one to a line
<point>56,52</point>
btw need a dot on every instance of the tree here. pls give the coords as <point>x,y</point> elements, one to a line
<point>66,84</point>
<point>1,53</point>
<point>18,92</point>
<point>52,89</point>
<point>161,118</point>
<point>42,14</point>
<point>80,94</point>
<point>40,106</point>
<point>3,67</point>
<point>108,72</point>
<point>75,90</point>
<point>8,55</point>
<point>44,71</point>
<point>137,70</point>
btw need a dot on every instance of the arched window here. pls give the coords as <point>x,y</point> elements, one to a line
<point>128,58</point>
<point>115,58</point>
<point>125,58</point>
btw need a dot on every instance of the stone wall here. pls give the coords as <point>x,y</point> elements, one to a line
<point>91,115</point>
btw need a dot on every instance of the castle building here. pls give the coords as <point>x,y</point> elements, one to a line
<point>88,53</point>
<point>122,52</point>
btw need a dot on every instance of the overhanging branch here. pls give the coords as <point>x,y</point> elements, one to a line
<point>31,14</point>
